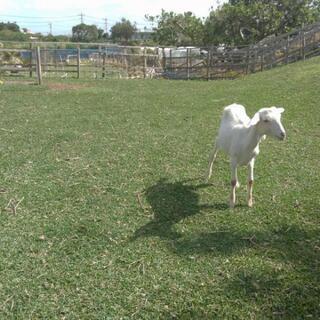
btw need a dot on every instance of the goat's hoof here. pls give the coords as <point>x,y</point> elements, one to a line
<point>250,203</point>
<point>231,205</point>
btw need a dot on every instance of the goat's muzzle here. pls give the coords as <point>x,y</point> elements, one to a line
<point>282,135</point>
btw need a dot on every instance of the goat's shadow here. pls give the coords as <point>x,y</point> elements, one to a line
<point>171,203</point>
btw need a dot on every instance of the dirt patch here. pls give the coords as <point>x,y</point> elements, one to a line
<point>22,82</point>
<point>65,86</point>
<point>50,85</point>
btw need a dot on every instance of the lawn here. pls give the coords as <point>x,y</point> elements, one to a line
<point>104,213</point>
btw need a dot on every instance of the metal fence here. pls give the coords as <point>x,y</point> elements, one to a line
<point>39,60</point>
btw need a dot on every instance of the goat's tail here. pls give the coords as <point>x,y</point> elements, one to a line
<point>212,157</point>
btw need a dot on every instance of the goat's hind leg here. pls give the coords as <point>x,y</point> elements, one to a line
<point>212,157</point>
<point>250,182</point>
<point>234,183</point>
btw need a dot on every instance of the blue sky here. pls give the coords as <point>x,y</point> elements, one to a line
<point>36,15</point>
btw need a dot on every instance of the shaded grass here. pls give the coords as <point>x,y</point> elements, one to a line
<point>115,221</point>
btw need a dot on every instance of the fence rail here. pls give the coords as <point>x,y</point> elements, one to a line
<point>105,60</point>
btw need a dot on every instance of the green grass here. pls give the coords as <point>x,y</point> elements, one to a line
<point>114,220</point>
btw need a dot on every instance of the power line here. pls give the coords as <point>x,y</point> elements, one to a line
<point>43,17</point>
<point>45,22</point>
<point>67,18</point>
<point>66,22</point>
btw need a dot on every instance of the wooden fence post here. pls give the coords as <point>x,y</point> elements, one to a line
<point>188,64</point>
<point>262,59</point>
<point>208,63</point>
<point>287,50</point>
<point>303,46</point>
<point>38,58</point>
<point>78,61</point>
<point>30,67</point>
<point>55,59</point>
<point>163,59</point>
<point>254,60</point>
<point>144,63</point>
<point>45,58</point>
<point>126,62</point>
<point>248,60</point>
<point>104,65</point>
<point>229,65</point>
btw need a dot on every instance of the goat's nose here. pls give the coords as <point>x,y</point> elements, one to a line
<point>283,135</point>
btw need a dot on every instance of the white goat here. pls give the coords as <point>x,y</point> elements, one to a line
<point>239,137</point>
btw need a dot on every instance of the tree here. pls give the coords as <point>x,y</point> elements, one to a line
<point>85,33</point>
<point>177,29</point>
<point>11,31</point>
<point>123,30</point>
<point>57,38</point>
<point>10,35</point>
<point>12,26</point>
<point>259,17</point>
<point>223,26</point>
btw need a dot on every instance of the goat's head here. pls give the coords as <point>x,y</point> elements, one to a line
<point>268,121</point>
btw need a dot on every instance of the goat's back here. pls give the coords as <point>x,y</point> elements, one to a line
<point>233,120</point>
<point>234,114</point>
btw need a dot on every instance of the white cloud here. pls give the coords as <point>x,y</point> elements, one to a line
<point>66,7</point>
<point>141,7</point>
<point>8,6</point>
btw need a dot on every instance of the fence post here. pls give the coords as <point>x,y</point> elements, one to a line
<point>45,59</point>
<point>248,60</point>
<point>227,74</point>
<point>78,62</point>
<point>144,63</point>
<point>163,59</point>
<point>254,60</point>
<point>208,63</point>
<point>100,54</point>
<point>30,67</point>
<point>287,51</point>
<point>104,64</point>
<point>188,64</point>
<point>38,58</point>
<point>126,61</point>
<point>55,58</point>
<point>262,59</point>
<point>303,46</point>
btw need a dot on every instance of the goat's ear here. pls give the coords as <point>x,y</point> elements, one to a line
<point>255,119</point>
<point>280,110</point>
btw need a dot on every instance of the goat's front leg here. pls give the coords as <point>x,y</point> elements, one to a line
<point>250,182</point>
<point>212,157</point>
<point>234,183</point>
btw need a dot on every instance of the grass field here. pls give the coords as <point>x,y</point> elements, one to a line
<point>104,214</point>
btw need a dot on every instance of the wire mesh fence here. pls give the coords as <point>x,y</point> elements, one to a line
<point>100,61</point>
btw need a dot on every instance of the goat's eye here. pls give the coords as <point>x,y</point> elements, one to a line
<point>266,120</point>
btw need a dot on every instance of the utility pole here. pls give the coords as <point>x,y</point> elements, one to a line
<point>106,25</point>
<point>50,26</point>
<point>81,17</point>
